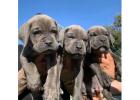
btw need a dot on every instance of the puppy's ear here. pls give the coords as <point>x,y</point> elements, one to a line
<point>21,32</point>
<point>88,47</point>
<point>24,33</point>
<point>111,38</point>
<point>25,36</point>
<point>27,50</point>
<point>59,28</point>
<point>88,44</point>
<point>61,36</point>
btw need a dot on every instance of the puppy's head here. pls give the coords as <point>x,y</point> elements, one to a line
<point>99,38</point>
<point>74,40</point>
<point>41,33</point>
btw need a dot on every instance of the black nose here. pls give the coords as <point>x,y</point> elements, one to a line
<point>48,42</point>
<point>79,46</point>
<point>102,39</point>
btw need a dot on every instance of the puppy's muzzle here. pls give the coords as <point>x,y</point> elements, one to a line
<point>78,46</point>
<point>103,40</point>
<point>100,41</point>
<point>48,42</point>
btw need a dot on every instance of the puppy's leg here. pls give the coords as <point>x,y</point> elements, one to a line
<point>52,84</point>
<point>22,83</point>
<point>50,87</point>
<point>59,69</point>
<point>84,92</point>
<point>78,85</point>
<point>32,76</point>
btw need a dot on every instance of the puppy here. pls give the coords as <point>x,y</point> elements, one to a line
<point>101,65</point>
<point>39,57</point>
<point>74,41</point>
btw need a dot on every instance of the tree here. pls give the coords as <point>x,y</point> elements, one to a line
<point>115,29</point>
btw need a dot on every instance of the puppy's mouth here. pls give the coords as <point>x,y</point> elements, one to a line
<point>77,56</point>
<point>45,50</point>
<point>48,51</point>
<point>101,48</point>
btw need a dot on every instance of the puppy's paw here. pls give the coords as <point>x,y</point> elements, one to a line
<point>34,84</point>
<point>51,94</point>
<point>34,87</point>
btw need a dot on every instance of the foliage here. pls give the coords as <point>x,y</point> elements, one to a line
<point>115,29</point>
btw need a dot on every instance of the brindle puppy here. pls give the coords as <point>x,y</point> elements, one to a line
<point>74,40</point>
<point>39,57</point>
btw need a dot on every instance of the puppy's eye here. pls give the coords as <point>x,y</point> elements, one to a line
<point>106,34</point>
<point>71,36</point>
<point>36,32</point>
<point>54,31</point>
<point>93,34</point>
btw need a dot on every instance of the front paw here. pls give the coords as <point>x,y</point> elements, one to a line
<point>51,95</point>
<point>34,85</point>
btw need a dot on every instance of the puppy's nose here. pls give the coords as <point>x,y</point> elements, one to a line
<point>79,46</point>
<point>48,42</point>
<point>102,39</point>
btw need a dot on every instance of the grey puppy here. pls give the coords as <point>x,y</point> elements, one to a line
<point>74,41</point>
<point>39,57</point>
<point>100,40</point>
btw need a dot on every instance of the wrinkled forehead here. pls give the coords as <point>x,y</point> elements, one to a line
<point>42,22</point>
<point>79,32</point>
<point>98,31</point>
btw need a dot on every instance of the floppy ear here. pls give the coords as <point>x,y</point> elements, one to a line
<point>88,47</point>
<point>88,44</point>
<point>61,36</point>
<point>21,32</point>
<point>24,33</point>
<point>111,38</point>
<point>59,28</point>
